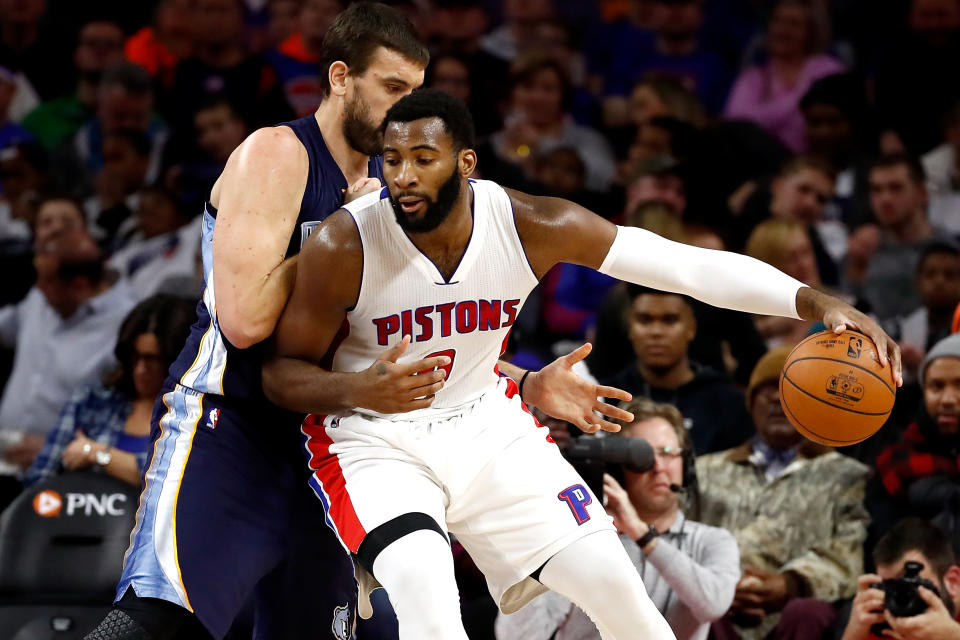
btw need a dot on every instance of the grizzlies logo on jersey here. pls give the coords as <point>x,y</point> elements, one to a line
<point>341,623</point>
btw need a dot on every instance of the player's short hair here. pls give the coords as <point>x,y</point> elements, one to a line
<point>915,534</point>
<point>911,162</point>
<point>430,103</point>
<point>356,33</point>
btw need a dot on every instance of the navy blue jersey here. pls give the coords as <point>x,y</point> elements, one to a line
<point>208,362</point>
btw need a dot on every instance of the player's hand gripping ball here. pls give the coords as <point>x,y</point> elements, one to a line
<point>833,389</point>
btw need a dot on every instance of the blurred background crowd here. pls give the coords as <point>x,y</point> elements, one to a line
<point>820,136</point>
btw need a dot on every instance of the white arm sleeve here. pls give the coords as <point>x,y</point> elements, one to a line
<point>720,278</point>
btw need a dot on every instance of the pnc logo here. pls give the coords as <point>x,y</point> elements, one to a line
<point>47,504</point>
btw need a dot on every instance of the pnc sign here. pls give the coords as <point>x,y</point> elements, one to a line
<point>50,504</point>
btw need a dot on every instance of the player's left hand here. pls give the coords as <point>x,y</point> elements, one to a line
<point>361,187</point>
<point>558,391</point>
<point>840,316</point>
<point>933,624</point>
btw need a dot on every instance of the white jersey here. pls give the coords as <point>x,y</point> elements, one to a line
<point>467,318</point>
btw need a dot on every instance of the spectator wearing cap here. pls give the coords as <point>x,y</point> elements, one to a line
<point>796,510</point>
<point>63,331</point>
<point>920,474</point>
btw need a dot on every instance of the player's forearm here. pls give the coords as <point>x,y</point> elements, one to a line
<point>300,386</point>
<point>720,278</point>
<point>248,314</point>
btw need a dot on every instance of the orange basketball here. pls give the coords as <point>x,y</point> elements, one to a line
<point>833,389</point>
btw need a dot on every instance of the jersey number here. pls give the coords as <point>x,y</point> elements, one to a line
<point>450,353</point>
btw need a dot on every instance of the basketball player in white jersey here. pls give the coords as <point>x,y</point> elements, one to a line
<point>436,267</point>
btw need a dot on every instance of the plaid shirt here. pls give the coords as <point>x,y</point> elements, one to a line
<point>100,412</point>
<point>912,458</point>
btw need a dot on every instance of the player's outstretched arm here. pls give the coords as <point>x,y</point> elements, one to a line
<point>258,199</point>
<point>561,393</point>
<point>554,230</point>
<point>327,284</point>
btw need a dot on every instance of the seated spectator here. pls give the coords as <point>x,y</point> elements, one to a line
<point>125,101</point>
<point>220,128</point>
<point>837,127</point>
<point>917,475</point>
<point>769,93</point>
<point>296,57</point>
<point>537,120</point>
<point>11,132</point>
<point>520,20</point>
<point>910,540</point>
<point>689,569</point>
<point>107,426</point>
<point>942,166</point>
<point>163,246</point>
<point>882,258</point>
<point>159,46</point>
<point>796,510</point>
<point>676,49</point>
<point>126,161</point>
<point>938,285</point>
<point>800,191</point>
<point>785,245</point>
<point>661,327</point>
<point>64,331</point>
<point>99,47</point>
<point>283,20</point>
<point>23,176</point>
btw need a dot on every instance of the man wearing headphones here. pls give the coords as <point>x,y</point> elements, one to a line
<point>690,569</point>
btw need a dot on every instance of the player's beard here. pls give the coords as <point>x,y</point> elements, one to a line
<point>436,210</point>
<point>361,134</point>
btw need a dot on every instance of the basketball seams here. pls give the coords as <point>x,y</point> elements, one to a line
<point>846,362</point>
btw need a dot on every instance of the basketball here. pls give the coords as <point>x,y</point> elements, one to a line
<point>833,389</point>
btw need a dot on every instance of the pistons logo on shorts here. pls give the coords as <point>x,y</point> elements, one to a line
<point>577,498</point>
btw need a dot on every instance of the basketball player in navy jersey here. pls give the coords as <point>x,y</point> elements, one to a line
<point>224,514</point>
<point>436,266</point>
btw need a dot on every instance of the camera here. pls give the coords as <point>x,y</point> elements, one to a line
<point>901,596</point>
<point>590,456</point>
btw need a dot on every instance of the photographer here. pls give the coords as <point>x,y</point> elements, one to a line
<point>690,570</point>
<point>910,540</point>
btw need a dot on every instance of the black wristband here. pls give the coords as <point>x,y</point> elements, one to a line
<point>523,379</point>
<point>648,537</point>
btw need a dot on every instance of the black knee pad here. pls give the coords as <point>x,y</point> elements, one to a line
<point>376,541</point>
<point>118,626</point>
<point>136,618</point>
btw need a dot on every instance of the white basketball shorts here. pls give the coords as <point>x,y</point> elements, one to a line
<point>490,475</point>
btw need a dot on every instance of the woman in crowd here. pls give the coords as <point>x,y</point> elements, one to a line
<point>107,426</point>
<point>769,93</point>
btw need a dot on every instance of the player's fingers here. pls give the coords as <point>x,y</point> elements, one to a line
<point>615,394</point>
<point>610,427</point>
<point>427,389</point>
<point>896,361</point>
<point>426,364</point>
<point>612,412</point>
<point>578,354</point>
<point>393,353</point>
<point>419,403</point>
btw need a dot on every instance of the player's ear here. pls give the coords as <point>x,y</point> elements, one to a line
<point>466,162</point>
<point>337,75</point>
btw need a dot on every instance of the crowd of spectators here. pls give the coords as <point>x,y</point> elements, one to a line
<point>820,136</point>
